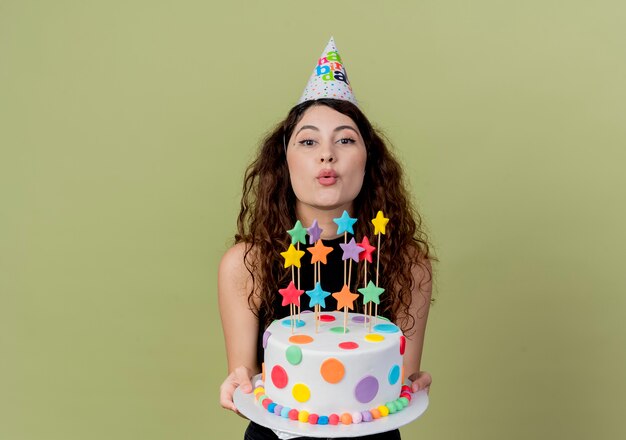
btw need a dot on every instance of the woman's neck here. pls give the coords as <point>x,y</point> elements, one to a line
<point>306,214</point>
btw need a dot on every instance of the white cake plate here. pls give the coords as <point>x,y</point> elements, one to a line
<point>249,407</point>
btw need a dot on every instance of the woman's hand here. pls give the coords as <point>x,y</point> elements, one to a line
<point>240,377</point>
<point>422,382</point>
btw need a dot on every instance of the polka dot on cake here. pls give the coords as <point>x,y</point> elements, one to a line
<point>374,337</point>
<point>300,339</point>
<point>332,370</point>
<point>266,336</point>
<point>366,389</point>
<point>360,319</point>
<point>279,377</point>
<point>301,392</point>
<point>348,345</point>
<point>402,344</point>
<point>386,328</point>
<point>394,374</point>
<point>294,354</point>
<point>339,330</point>
<point>296,322</point>
<point>327,318</point>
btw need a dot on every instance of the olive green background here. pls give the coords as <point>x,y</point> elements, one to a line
<point>125,128</point>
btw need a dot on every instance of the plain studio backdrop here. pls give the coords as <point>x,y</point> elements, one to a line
<point>125,129</point>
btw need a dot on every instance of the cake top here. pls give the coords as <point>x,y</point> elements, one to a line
<point>330,333</point>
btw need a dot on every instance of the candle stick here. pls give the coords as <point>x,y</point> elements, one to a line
<point>319,252</point>
<point>380,223</point>
<point>351,251</point>
<point>345,300</point>
<point>344,226</point>
<point>317,296</point>
<point>292,258</point>
<point>365,256</point>
<point>291,297</point>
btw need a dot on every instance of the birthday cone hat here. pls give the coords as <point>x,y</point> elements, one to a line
<point>329,78</point>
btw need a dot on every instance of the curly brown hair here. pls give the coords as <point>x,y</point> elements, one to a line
<point>268,211</point>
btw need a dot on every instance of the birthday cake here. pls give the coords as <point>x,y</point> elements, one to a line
<point>328,376</point>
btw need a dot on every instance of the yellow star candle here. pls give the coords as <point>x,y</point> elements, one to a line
<point>292,256</point>
<point>380,223</point>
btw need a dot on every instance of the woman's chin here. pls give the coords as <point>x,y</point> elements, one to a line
<point>329,205</point>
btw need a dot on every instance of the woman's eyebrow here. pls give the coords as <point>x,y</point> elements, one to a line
<point>341,127</point>
<point>304,127</point>
<point>349,127</point>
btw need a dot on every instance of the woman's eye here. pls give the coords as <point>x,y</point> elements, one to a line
<point>346,141</point>
<point>307,142</point>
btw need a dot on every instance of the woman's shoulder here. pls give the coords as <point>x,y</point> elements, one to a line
<point>233,260</point>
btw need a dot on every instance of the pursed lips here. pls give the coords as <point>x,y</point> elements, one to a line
<point>327,177</point>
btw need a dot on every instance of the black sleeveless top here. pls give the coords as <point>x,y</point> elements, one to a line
<point>331,281</point>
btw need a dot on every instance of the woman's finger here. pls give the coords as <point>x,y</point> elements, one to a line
<point>422,382</point>
<point>242,377</point>
<point>226,395</point>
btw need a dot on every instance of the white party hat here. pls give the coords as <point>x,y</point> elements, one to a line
<point>329,78</point>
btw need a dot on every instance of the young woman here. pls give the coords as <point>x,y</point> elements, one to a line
<point>324,158</point>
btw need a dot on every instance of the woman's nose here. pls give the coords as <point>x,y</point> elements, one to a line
<point>327,155</point>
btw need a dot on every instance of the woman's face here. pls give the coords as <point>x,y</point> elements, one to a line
<point>326,158</point>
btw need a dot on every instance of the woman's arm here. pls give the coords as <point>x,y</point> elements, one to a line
<point>239,324</point>
<point>420,305</point>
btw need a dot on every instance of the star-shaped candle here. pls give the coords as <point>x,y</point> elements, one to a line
<point>351,250</point>
<point>290,294</point>
<point>371,293</point>
<point>366,255</point>
<point>345,223</point>
<point>298,233</point>
<point>317,296</point>
<point>345,300</point>
<point>315,232</point>
<point>368,249</point>
<point>319,252</point>
<point>292,256</point>
<point>379,223</point>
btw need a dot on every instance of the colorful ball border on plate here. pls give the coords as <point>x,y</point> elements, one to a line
<point>346,418</point>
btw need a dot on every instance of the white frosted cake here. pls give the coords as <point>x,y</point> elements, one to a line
<point>328,376</point>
